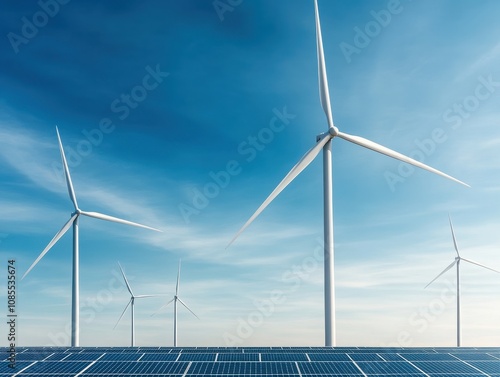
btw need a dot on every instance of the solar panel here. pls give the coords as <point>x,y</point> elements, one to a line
<point>254,361</point>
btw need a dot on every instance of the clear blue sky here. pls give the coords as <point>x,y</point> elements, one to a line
<point>154,99</point>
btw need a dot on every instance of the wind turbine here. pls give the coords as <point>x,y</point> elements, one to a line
<point>75,307</point>
<point>456,262</point>
<point>174,300</point>
<point>131,304</point>
<point>323,142</point>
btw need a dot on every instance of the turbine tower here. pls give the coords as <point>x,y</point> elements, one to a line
<point>456,262</point>
<point>323,142</point>
<point>174,300</point>
<point>75,306</point>
<point>131,304</point>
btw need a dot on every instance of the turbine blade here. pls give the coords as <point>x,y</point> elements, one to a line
<point>126,280</point>
<point>480,265</point>
<point>182,302</point>
<point>164,306</point>
<point>146,296</point>
<point>124,310</point>
<point>453,235</point>
<point>69,183</point>
<point>446,269</point>
<point>398,156</point>
<point>178,278</point>
<point>292,174</point>
<point>116,220</point>
<point>324,93</point>
<point>56,238</point>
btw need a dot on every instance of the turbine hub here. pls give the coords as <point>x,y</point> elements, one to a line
<point>334,131</point>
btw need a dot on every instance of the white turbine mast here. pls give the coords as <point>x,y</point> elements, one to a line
<point>323,142</point>
<point>174,300</point>
<point>131,303</point>
<point>456,262</point>
<point>75,306</point>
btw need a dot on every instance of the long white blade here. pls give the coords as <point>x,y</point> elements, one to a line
<point>446,269</point>
<point>398,156</point>
<point>146,296</point>
<point>324,93</point>
<point>126,280</point>
<point>453,235</point>
<point>116,220</point>
<point>480,265</point>
<point>182,302</point>
<point>178,278</point>
<point>56,238</point>
<point>164,306</point>
<point>296,170</point>
<point>69,183</point>
<point>124,310</point>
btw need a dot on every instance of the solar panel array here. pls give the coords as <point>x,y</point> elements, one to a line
<point>252,361</point>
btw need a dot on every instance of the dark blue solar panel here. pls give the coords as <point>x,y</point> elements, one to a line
<point>329,368</point>
<point>390,356</point>
<point>197,357</point>
<point>159,357</point>
<point>428,357</point>
<point>283,357</point>
<point>130,367</point>
<point>490,367</point>
<point>242,368</point>
<point>116,356</point>
<point>275,361</point>
<point>59,367</point>
<point>4,367</point>
<point>328,357</point>
<point>393,367</point>
<point>445,367</point>
<point>238,357</point>
<point>366,357</point>
<point>479,356</point>
<point>84,356</point>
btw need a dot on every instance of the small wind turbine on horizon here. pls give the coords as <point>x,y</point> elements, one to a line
<point>456,262</point>
<point>174,300</point>
<point>75,306</point>
<point>131,303</point>
<point>323,142</point>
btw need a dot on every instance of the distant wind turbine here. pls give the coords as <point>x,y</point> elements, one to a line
<point>75,307</point>
<point>456,262</point>
<point>174,300</point>
<point>323,142</point>
<point>131,304</point>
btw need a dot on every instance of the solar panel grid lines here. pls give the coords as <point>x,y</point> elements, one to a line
<point>450,367</point>
<point>329,368</point>
<point>283,361</point>
<point>355,364</point>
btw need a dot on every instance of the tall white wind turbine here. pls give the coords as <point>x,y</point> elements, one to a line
<point>131,303</point>
<point>174,300</point>
<point>456,262</point>
<point>75,306</point>
<point>323,142</point>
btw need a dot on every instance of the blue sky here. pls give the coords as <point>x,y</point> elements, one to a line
<point>154,100</point>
